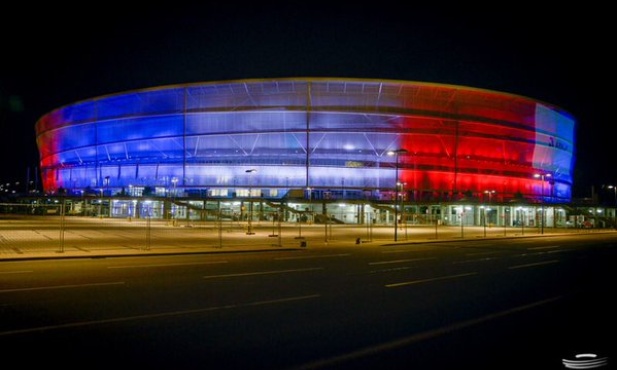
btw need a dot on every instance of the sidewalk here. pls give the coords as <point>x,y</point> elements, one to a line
<point>22,239</point>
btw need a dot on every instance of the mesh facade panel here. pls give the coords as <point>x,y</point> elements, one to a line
<point>318,133</point>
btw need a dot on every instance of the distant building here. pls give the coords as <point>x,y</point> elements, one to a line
<point>314,137</point>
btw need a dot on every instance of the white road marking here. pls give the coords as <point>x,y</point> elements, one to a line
<point>167,265</point>
<point>415,338</point>
<point>156,315</point>
<point>400,261</point>
<point>262,273</point>
<point>310,257</point>
<point>16,272</point>
<point>533,264</point>
<point>59,287</point>
<point>394,285</point>
<point>407,250</point>
<point>482,253</point>
<point>485,259</point>
<point>546,247</point>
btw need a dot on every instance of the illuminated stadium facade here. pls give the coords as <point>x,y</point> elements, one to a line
<point>317,138</point>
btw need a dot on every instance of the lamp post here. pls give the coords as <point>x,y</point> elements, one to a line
<point>484,218</point>
<point>299,220</point>
<point>249,230</point>
<point>174,181</point>
<point>490,194</point>
<point>310,208</point>
<point>542,176</point>
<point>521,218</point>
<point>107,192</point>
<point>461,215</point>
<point>615,209</point>
<point>101,205</point>
<point>107,185</point>
<point>396,153</point>
<point>403,214</point>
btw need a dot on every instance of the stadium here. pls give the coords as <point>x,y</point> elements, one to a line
<point>394,147</point>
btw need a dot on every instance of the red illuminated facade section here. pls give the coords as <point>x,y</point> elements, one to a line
<point>329,136</point>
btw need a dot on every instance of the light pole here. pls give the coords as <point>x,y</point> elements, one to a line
<point>542,176</point>
<point>615,209</point>
<point>484,219</point>
<point>310,207</point>
<point>299,220</point>
<point>490,194</point>
<point>403,214</point>
<point>107,185</point>
<point>174,181</point>
<point>396,153</point>
<point>101,205</point>
<point>521,218</point>
<point>249,230</point>
<point>108,193</point>
<point>461,216</point>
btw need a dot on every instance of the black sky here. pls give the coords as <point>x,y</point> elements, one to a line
<point>56,56</point>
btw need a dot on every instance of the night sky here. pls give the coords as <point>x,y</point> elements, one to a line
<point>57,56</point>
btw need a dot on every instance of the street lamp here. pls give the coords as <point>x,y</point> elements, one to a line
<point>484,209</point>
<point>396,153</point>
<point>522,211</point>
<point>174,181</point>
<point>615,209</point>
<point>249,230</point>
<point>310,209</point>
<point>490,194</point>
<point>542,176</point>
<point>101,205</point>
<point>107,192</point>
<point>107,185</point>
<point>462,211</point>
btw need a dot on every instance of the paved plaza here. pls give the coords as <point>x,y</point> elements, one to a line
<point>58,237</point>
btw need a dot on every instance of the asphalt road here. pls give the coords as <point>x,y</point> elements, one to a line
<point>481,304</point>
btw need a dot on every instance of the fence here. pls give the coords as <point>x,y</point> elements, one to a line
<point>25,229</point>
